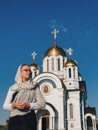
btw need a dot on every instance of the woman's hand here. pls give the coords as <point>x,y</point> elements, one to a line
<point>21,105</point>
<point>18,105</point>
<point>27,105</point>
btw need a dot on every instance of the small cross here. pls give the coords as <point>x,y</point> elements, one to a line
<point>34,54</point>
<point>55,31</point>
<point>70,51</point>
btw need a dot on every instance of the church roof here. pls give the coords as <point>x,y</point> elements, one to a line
<point>34,66</point>
<point>70,62</point>
<point>91,110</point>
<point>55,50</point>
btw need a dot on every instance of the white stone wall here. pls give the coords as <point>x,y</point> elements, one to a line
<point>74,98</point>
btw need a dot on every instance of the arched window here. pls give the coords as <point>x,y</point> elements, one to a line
<point>69,72</point>
<point>71,110</point>
<point>89,123</point>
<point>45,122</point>
<point>47,65</point>
<point>74,72</point>
<point>58,64</point>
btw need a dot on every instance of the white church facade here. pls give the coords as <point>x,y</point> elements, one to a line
<point>64,91</point>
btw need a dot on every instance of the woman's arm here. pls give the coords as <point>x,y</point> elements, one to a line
<point>7,104</point>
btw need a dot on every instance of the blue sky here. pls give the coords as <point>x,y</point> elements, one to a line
<point>26,26</point>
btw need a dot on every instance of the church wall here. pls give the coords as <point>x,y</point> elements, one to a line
<point>55,99</point>
<point>74,99</point>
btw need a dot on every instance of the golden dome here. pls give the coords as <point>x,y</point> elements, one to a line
<point>34,67</point>
<point>70,63</point>
<point>55,50</point>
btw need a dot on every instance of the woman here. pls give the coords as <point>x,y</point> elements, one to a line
<point>22,99</point>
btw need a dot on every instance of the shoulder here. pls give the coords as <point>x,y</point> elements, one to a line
<point>14,87</point>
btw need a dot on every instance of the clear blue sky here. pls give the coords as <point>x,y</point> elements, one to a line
<point>26,25</point>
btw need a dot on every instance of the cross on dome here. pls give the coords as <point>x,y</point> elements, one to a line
<point>54,32</point>
<point>33,55</point>
<point>70,50</point>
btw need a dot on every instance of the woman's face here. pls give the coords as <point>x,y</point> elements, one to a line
<point>25,73</point>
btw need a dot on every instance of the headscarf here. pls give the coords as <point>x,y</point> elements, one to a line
<point>18,78</point>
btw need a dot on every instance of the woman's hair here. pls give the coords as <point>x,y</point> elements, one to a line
<point>24,65</point>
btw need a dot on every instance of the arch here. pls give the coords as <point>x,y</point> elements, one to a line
<point>47,118</point>
<point>47,76</point>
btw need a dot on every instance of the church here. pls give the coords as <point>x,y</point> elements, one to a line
<point>64,91</point>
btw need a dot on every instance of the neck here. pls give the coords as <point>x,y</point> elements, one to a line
<point>25,80</point>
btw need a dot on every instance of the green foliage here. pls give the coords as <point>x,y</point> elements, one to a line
<point>4,127</point>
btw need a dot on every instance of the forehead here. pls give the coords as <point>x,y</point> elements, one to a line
<point>25,66</point>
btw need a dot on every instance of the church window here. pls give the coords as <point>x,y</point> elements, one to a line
<point>45,122</point>
<point>89,123</point>
<point>69,72</point>
<point>74,72</point>
<point>47,65</point>
<point>58,64</point>
<point>52,64</point>
<point>71,110</point>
